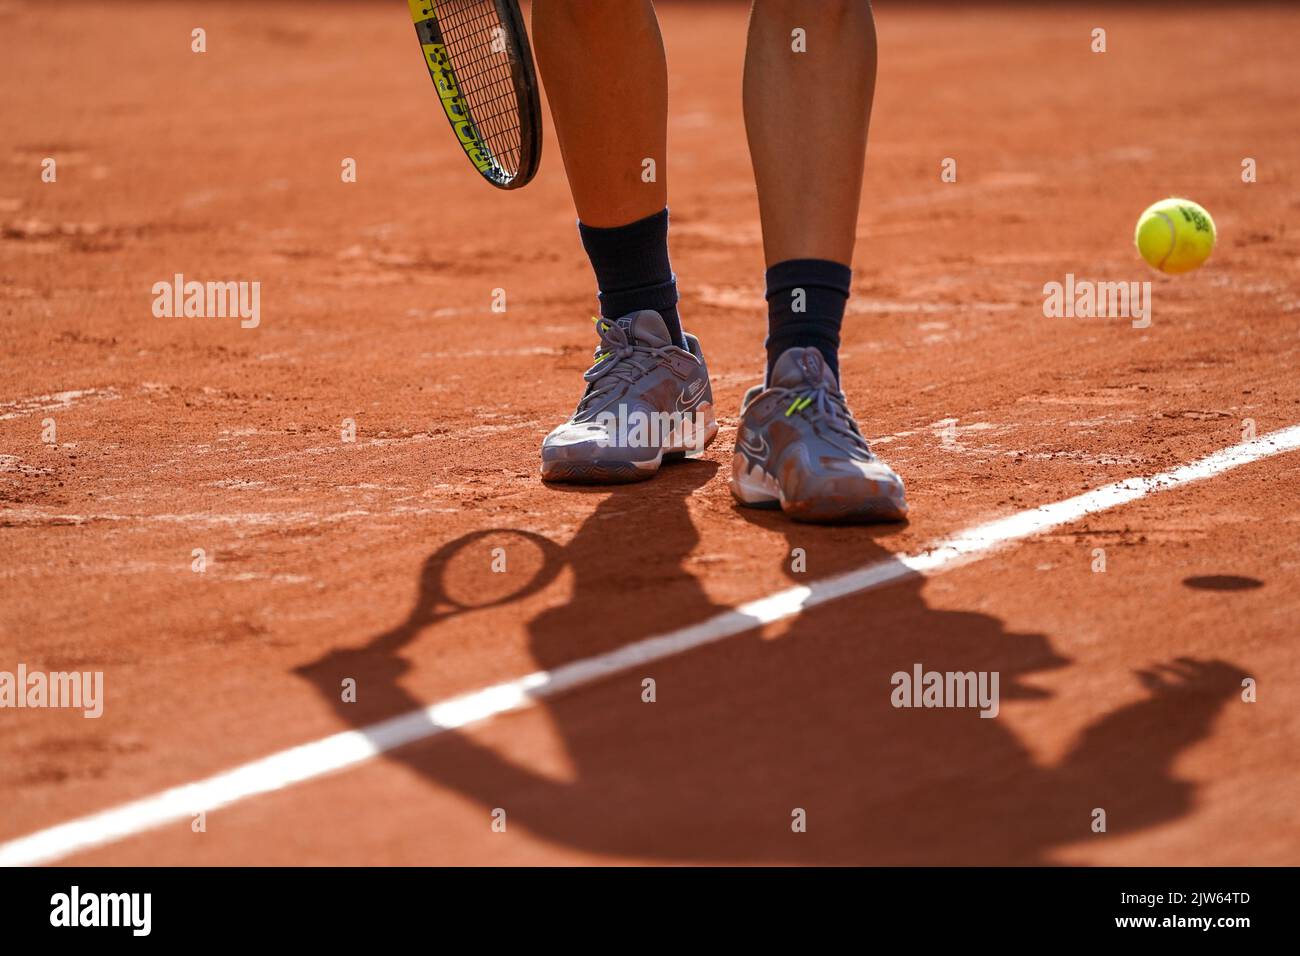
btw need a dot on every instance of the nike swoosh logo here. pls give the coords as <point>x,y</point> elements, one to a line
<point>687,401</point>
<point>757,452</point>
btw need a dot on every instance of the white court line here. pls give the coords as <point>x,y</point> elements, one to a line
<point>352,747</point>
<point>59,401</point>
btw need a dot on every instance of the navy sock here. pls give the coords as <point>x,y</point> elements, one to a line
<point>632,269</point>
<point>805,307</point>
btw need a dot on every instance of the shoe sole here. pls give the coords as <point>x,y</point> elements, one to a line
<point>860,511</point>
<point>599,472</point>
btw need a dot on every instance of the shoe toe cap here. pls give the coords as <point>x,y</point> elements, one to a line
<point>576,441</point>
<point>839,487</point>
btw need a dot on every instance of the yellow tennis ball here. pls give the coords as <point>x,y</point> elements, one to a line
<point>1175,235</point>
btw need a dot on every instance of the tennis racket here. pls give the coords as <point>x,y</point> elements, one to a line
<point>479,59</point>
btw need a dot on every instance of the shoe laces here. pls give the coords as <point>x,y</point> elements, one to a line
<point>821,405</point>
<point>619,360</point>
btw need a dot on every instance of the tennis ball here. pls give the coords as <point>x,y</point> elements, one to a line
<point>1175,235</point>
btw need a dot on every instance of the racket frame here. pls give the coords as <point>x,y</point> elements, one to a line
<point>523,78</point>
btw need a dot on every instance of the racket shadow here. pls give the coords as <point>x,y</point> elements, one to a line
<point>746,733</point>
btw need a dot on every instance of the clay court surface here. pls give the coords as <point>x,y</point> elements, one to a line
<point>329,559</point>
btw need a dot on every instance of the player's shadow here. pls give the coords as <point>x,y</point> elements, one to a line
<point>747,731</point>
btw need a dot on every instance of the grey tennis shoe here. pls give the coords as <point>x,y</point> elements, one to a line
<point>646,401</point>
<point>798,447</point>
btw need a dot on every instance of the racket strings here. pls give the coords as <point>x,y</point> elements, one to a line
<point>475,40</point>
